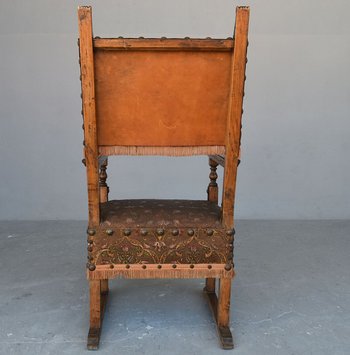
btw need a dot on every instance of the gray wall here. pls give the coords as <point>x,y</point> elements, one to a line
<point>296,121</point>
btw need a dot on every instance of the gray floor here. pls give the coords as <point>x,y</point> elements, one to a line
<point>291,295</point>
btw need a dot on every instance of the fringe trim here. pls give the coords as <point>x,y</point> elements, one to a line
<point>182,271</point>
<point>164,151</point>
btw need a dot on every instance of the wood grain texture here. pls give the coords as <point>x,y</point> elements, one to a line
<point>104,189</point>
<point>213,193</point>
<point>166,44</point>
<point>89,112</point>
<point>95,303</point>
<point>223,315</point>
<point>213,189</point>
<point>224,331</point>
<point>233,131</point>
<point>167,98</point>
<point>98,300</point>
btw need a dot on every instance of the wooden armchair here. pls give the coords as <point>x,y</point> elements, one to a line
<point>162,97</point>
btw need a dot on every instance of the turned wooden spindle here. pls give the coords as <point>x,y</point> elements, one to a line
<point>213,190</point>
<point>104,189</point>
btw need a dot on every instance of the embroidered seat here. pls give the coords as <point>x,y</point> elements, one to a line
<point>160,214</point>
<point>171,97</point>
<point>161,232</point>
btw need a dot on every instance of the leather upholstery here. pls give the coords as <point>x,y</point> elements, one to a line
<point>160,232</point>
<point>160,213</point>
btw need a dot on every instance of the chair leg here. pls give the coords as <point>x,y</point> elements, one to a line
<point>223,320</point>
<point>221,310</point>
<point>210,284</point>
<point>98,300</point>
<point>104,286</point>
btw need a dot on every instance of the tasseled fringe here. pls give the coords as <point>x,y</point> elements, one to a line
<point>100,274</point>
<point>166,151</point>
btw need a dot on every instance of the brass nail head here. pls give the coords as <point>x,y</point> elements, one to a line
<point>91,266</point>
<point>175,232</point>
<point>144,232</point>
<point>91,231</point>
<point>190,232</point>
<point>228,267</point>
<point>127,232</point>
<point>230,232</point>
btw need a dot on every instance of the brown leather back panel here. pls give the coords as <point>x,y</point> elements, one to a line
<point>163,98</point>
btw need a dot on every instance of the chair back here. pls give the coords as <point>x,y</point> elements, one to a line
<point>162,97</point>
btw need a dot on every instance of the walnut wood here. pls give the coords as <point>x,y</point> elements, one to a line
<point>213,302</point>
<point>165,44</point>
<point>212,196</point>
<point>103,181</point>
<point>102,159</point>
<point>103,175</point>
<point>88,97</point>
<point>104,287</point>
<point>213,190</point>
<point>93,339</point>
<point>210,284</point>
<point>224,332</point>
<point>104,189</point>
<point>219,159</point>
<point>224,301</point>
<point>95,303</point>
<point>233,131</point>
<point>98,300</point>
<point>225,336</point>
<point>142,98</point>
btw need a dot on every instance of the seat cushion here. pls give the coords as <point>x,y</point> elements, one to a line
<point>158,232</point>
<point>160,213</point>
